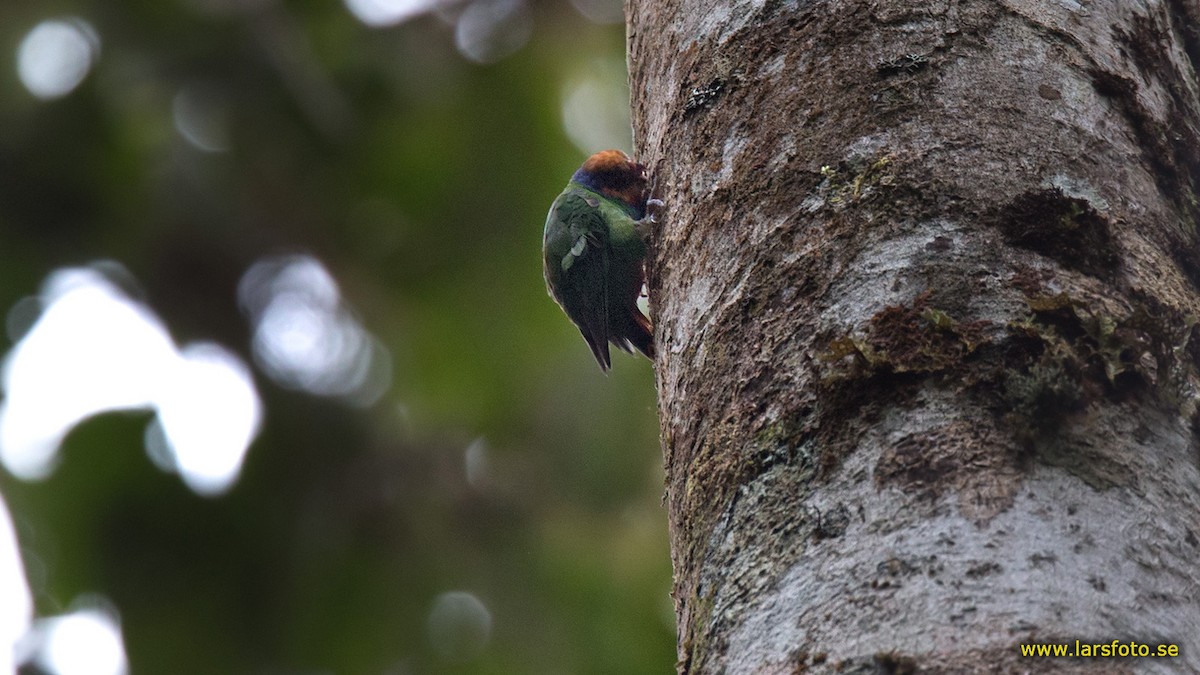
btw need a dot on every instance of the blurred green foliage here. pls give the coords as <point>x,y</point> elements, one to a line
<point>421,179</point>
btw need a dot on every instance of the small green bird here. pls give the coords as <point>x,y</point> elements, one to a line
<point>594,252</point>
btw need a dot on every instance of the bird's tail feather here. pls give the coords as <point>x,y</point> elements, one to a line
<point>599,348</point>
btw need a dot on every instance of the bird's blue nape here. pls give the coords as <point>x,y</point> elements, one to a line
<point>586,178</point>
<point>595,182</point>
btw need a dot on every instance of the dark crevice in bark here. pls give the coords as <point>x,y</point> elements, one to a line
<point>1170,150</point>
<point>1179,139</point>
<point>1185,20</point>
<point>1068,229</point>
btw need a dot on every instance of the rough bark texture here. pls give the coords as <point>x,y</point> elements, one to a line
<point>926,302</point>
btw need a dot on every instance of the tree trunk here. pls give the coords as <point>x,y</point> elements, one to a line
<point>926,312</point>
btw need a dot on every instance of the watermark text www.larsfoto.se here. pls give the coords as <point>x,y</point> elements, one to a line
<point>1114,649</point>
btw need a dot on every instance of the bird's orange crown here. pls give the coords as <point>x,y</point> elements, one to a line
<point>613,174</point>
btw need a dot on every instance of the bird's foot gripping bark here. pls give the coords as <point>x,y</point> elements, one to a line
<point>655,209</point>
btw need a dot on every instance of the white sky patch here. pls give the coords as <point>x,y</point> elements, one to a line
<point>86,641</point>
<point>91,351</point>
<point>16,604</point>
<point>389,12</point>
<point>56,55</point>
<point>595,107</point>
<point>94,350</point>
<point>209,415</point>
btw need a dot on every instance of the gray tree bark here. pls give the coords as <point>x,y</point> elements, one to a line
<point>926,305</point>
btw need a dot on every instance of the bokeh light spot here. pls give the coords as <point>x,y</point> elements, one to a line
<point>94,350</point>
<point>305,337</point>
<point>209,415</point>
<point>475,461</point>
<point>201,117</point>
<point>91,350</point>
<point>595,107</point>
<point>489,30</point>
<point>86,641</point>
<point>388,12</point>
<point>460,626</point>
<point>21,317</point>
<point>56,55</point>
<point>601,11</point>
<point>16,604</point>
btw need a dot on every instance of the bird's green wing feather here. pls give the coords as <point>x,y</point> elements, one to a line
<point>577,244</point>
